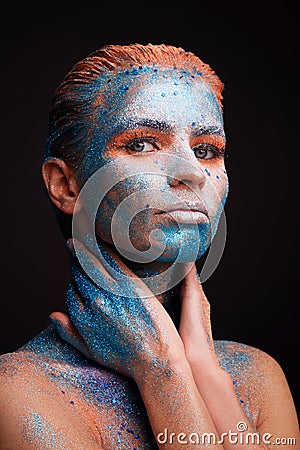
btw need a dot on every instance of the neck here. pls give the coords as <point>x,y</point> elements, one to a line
<point>170,298</point>
<point>169,286</point>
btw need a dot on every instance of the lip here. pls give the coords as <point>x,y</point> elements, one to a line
<point>185,206</point>
<point>184,216</point>
<point>190,212</point>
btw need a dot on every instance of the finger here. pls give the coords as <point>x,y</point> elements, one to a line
<point>195,309</point>
<point>68,332</point>
<point>88,288</point>
<point>101,268</point>
<point>192,276</point>
<point>80,296</point>
<point>91,293</point>
<point>100,275</point>
<point>114,261</point>
<point>70,246</point>
<point>113,272</point>
<point>192,290</point>
<point>82,310</point>
<point>63,321</point>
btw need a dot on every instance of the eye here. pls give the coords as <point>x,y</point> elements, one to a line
<point>142,145</point>
<point>206,151</point>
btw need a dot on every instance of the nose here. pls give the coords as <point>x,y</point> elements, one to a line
<point>195,178</point>
<point>189,173</point>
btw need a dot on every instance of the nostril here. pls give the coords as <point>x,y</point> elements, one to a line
<point>173,181</point>
<point>185,181</point>
<point>197,177</point>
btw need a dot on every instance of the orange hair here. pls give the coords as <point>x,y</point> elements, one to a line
<point>116,57</point>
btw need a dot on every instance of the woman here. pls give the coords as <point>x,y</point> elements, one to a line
<point>133,365</point>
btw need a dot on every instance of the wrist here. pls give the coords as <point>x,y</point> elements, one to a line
<point>163,371</point>
<point>214,372</point>
<point>213,383</point>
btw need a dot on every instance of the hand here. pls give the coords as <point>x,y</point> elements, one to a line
<point>195,326</point>
<point>129,335</point>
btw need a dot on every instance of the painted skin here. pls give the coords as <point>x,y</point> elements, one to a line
<point>160,112</point>
<point>146,121</point>
<point>58,377</point>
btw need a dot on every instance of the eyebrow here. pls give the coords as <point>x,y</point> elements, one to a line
<point>165,127</point>
<point>159,125</point>
<point>202,130</point>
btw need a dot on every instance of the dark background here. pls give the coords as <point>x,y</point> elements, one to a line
<point>254,291</point>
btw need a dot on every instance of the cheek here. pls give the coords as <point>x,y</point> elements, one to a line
<point>126,207</point>
<point>217,201</point>
<point>217,186</point>
<point>222,187</point>
<point>107,210</point>
<point>214,193</point>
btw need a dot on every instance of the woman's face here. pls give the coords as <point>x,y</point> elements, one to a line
<point>144,114</point>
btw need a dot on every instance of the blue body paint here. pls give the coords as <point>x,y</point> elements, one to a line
<point>39,432</point>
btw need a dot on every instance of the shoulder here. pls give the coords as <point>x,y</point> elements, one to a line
<point>261,378</point>
<point>240,359</point>
<point>249,364</point>
<point>231,352</point>
<point>15,366</point>
<point>33,413</point>
<point>23,384</point>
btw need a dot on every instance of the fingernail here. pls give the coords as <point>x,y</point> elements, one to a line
<point>58,327</point>
<point>52,321</point>
<point>198,277</point>
<point>70,247</point>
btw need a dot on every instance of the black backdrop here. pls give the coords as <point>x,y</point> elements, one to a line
<point>254,291</point>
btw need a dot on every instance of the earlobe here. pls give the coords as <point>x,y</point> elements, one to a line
<point>61,184</point>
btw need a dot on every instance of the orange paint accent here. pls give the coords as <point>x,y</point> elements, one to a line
<point>213,139</point>
<point>116,145</point>
<point>112,58</point>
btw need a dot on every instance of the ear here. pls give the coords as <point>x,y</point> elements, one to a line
<point>61,184</point>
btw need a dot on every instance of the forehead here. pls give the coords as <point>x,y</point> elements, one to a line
<point>174,96</point>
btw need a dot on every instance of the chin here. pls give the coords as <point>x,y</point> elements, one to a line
<point>186,245</point>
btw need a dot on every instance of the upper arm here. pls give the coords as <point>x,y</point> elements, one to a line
<point>277,411</point>
<point>34,416</point>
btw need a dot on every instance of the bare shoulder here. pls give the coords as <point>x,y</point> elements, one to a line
<point>16,369</point>
<point>33,414</point>
<point>259,381</point>
<point>239,359</point>
<point>243,361</point>
<point>249,366</point>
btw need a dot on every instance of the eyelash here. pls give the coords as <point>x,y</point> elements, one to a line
<point>140,140</point>
<point>219,152</point>
<point>209,147</point>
